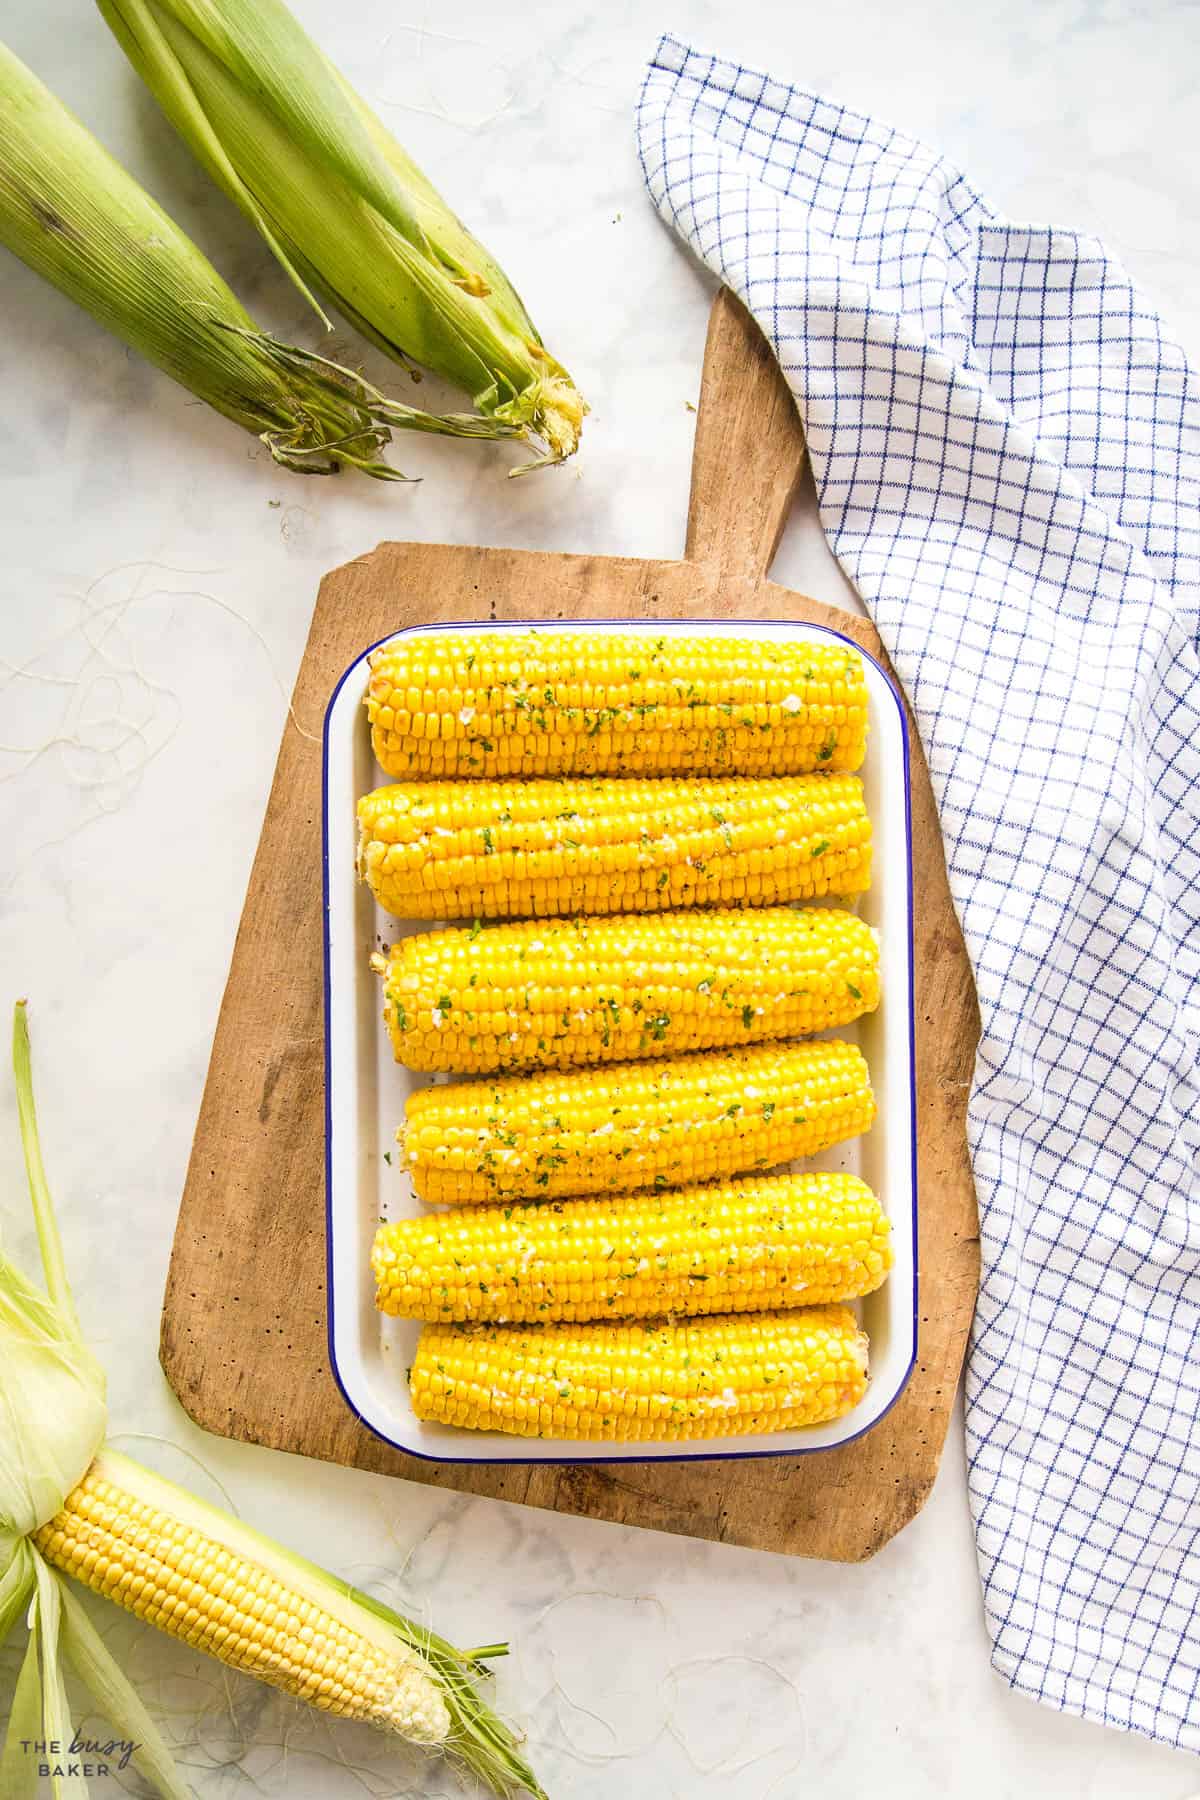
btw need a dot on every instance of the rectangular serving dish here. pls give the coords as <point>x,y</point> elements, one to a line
<point>366,1090</point>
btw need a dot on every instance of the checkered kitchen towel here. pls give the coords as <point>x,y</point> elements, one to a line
<point>1006,442</point>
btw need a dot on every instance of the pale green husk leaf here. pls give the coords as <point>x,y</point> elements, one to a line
<point>18,1769</point>
<point>70,211</point>
<point>16,1581</point>
<point>342,206</point>
<point>53,1416</point>
<point>45,1626</point>
<point>115,1699</point>
<point>53,1412</point>
<point>52,1423</point>
<point>52,1408</point>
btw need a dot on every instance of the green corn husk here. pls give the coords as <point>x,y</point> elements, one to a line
<point>343,208</point>
<point>53,1420</point>
<point>70,211</point>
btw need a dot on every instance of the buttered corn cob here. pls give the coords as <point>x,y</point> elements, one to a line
<point>128,1543</point>
<point>751,1245</point>
<point>645,1125</point>
<point>534,995</point>
<point>715,1377</point>
<point>595,703</point>
<point>533,849</point>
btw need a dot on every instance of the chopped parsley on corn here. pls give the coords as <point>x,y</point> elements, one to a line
<point>649,1124</point>
<point>655,1381</point>
<point>536,849</point>
<point>590,990</point>
<point>748,1245</point>
<point>573,703</point>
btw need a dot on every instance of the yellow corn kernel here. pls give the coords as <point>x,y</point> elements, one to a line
<point>644,1381</point>
<point>581,991</point>
<point>751,1245</point>
<point>595,703</point>
<point>536,849</point>
<point>641,1125</point>
<point>195,1589</point>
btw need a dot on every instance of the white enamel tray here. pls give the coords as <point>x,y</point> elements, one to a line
<point>366,1091</point>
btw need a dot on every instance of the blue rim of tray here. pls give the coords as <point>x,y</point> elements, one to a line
<point>652,1455</point>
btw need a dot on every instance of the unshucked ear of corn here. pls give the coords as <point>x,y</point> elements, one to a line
<point>344,209</point>
<point>69,1504</point>
<point>80,220</point>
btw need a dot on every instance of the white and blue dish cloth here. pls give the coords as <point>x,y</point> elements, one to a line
<point>1006,443</point>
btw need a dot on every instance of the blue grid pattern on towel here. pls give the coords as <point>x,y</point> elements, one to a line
<point>1006,444</point>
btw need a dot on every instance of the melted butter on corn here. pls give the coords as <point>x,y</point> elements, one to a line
<point>661,1380</point>
<point>599,703</point>
<point>658,1123</point>
<point>750,1245</point>
<point>512,849</point>
<point>590,990</point>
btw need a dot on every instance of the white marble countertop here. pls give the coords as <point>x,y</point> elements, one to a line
<point>160,575</point>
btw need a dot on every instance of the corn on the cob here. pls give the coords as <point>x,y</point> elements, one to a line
<point>80,220</point>
<point>716,1377</point>
<point>575,703</point>
<point>344,209</point>
<point>124,1545</point>
<point>751,1245</point>
<point>536,849</point>
<point>69,1503</point>
<point>645,1125</point>
<point>534,995</point>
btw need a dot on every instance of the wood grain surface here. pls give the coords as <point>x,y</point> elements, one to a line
<point>251,1362</point>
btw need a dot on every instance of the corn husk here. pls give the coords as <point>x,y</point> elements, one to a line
<point>70,211</point>
<point>343,208</point>
<point>53,1419</point>
<point>53,1416</point>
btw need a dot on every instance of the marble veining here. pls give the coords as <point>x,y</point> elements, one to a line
<point>160,574</point>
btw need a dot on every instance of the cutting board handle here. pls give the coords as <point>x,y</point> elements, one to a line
<point>749,452</point>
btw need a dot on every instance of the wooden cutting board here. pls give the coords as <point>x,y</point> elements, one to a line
<point>243,1330</point>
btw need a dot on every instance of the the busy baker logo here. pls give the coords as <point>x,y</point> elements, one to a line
<point>83,1758</point>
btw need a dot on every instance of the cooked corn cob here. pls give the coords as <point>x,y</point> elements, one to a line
<point>752,1245</point>
<point>717,1377</point>
<point>593,703</point>
<point>648,1125</point>
<point>534,995</point>
<point>533,849</point>
<point>158,1565</point>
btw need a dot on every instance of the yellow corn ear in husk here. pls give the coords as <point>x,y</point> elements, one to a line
<point>70,211</point>
<point>72,1506</point>
<point>342,206</point>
